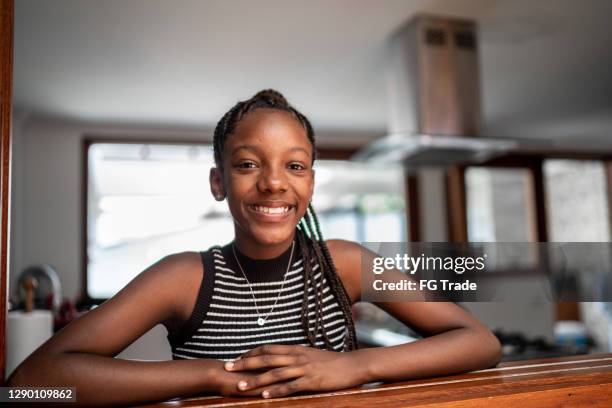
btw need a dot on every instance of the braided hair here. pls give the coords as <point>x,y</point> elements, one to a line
<point>312,245</point>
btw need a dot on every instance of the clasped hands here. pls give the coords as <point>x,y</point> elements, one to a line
<point>278,370</point>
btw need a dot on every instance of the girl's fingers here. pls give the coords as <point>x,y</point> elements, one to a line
<point>288,388</point>
<point>261,361</point>
<point>272,349</point>
<point>255,392</point>
<point>271,377</point>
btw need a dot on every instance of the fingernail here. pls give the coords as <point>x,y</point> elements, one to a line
<point>265,394</point>
<point>229,366</point>
<point>242,385</point>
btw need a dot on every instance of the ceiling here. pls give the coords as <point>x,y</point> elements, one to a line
<point>545,65</point>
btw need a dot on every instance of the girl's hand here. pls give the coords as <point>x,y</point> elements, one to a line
<point>291,369</point>
<point>226,383</point>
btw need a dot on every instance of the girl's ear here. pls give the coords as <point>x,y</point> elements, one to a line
<point>216,184</point>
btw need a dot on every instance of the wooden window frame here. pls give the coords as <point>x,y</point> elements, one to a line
<point>6,91</point>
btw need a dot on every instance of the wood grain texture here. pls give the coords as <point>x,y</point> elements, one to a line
<point>561,382</point>
<point>6,78</point>
<point>413,212</point>
<point>456,206</point>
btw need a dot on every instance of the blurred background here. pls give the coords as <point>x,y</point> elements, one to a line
<point>448,121</point>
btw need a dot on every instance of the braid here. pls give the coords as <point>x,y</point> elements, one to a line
<point>310,239</point>
<point>308,278</point>
<point>223,128</point>
<point>334,280</point>
<point>318,286</point>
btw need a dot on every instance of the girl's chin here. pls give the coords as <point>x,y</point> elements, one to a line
<point>273,236</point>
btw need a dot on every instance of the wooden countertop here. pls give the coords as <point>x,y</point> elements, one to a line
<point>567,381</point>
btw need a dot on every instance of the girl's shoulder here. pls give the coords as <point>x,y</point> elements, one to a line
<point>347,260</point>
<point>184,266</point>
<point>344,249</point>
<point>184,275</point>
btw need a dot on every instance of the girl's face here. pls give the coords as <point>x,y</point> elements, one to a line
<point>267,178</point>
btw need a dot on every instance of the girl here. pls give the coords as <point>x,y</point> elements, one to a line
<point>267,315</point>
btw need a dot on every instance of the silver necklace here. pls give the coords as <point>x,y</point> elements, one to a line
<point>262,320</point>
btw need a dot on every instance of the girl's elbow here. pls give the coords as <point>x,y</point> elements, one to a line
<point>494,349</point>
<point>488,347</point>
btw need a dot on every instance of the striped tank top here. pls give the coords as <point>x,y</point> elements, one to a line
<point>224,324</point>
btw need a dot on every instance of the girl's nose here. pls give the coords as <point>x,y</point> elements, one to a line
<point>272,180</point>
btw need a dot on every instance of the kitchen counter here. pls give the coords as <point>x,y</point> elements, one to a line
<point>577,380</point>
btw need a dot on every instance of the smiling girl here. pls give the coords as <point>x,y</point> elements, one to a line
<point>268,314</point>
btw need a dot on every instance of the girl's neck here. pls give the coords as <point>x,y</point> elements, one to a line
<point>256,250</point>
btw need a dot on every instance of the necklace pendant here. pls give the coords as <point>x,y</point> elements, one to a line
<point>261,320</point>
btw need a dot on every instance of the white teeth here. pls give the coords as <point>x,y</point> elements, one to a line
<point>270,210</point>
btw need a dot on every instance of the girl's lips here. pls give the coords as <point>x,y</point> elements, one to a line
<point>271,213</point>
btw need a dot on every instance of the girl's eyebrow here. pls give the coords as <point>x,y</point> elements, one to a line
<point>257,149</point>
<point>246,147</point>
<point>299,149</point>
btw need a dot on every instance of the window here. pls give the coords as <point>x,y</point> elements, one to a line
<point>578,211</point>
<point>577,206</point>
<point>145,202</point>
<point>359,202</point>
<point>499,207</point>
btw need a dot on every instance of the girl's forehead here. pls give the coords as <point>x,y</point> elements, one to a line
<point>266,126</point>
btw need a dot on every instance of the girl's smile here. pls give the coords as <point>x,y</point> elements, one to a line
<point>272,211</point>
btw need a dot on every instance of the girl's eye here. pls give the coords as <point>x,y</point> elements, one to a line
<point>246,165</point>
<point>296,166</point>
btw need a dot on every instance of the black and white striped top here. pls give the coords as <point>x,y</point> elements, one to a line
<point>224,325</point>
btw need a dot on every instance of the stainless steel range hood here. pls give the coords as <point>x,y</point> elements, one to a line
<point>434,97</point>
<point>417,150</point>
<point>414,150</point>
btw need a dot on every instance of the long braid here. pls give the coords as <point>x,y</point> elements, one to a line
<point>311,284</point>
<point>316,238</point>
<point>308,278</point>
<point>318,285</point>
<point>309,229</point>
<point>310,239</point>
<point>336,284</point>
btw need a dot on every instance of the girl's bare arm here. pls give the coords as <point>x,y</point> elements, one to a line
<point>81,354</point>
<point>454,341</point>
